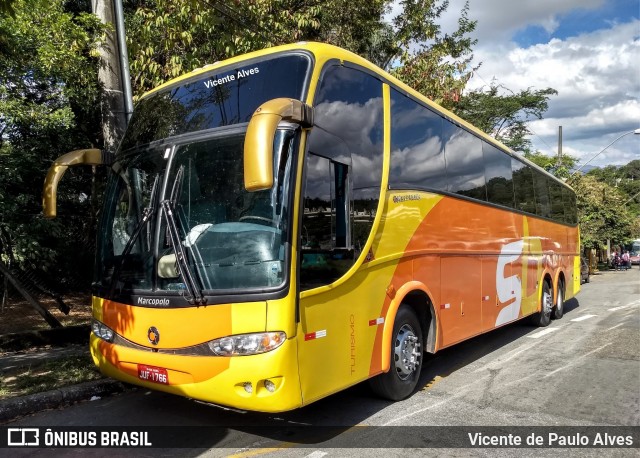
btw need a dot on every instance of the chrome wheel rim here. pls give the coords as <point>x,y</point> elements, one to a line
<point>407,352</point>
<point>547,302</point>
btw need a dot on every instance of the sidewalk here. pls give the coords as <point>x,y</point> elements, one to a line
<point>35,348</point>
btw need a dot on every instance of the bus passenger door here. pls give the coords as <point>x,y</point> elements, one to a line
<point>327,315</point>
<point>460,309</point>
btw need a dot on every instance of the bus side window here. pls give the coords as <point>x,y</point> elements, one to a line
<point>465,163</point>
<point>345,150</point>
<point>543,205</point>
<point>523,184</point>
<point>325,232</point>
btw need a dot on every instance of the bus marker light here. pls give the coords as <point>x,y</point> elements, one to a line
<point>315,335</point>
<point>445,306</point>
<point>376,321</point>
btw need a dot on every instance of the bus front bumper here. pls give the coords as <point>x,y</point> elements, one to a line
<point>266,382</point>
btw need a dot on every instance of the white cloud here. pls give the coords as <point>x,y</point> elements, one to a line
<point>596,74</point>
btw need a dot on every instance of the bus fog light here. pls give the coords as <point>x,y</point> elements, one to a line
<point>248,387</point>
<point>270,386</point>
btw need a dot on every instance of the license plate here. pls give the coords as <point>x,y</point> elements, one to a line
<point>153,374</point>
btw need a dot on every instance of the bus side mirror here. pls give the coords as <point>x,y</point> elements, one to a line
<point>258,143</point>
<point>59,167</point>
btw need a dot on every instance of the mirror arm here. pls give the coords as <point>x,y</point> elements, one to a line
<point>258,145</point>
<point>91,156</point>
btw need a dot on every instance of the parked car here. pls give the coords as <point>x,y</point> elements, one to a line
<point>584,271</point>
<point>634,258</point>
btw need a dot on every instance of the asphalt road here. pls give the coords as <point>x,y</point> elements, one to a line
<point>581,371</point>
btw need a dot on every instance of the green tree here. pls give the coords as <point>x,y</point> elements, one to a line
<point>505,116</point>
<point>48,106</point>
<point>603,214</point>
<point>6,7</point>
<point>435,64</point>
<point>167,38</point>
<point>560,167</point>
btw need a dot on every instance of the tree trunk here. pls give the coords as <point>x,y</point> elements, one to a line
<point>109,74</point>
<point>48,317</point>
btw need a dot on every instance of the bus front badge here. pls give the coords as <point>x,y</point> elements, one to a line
<point>153,335</point>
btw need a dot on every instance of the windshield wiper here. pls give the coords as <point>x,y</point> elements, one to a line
<point>195,294</point>
<point>147,213</point>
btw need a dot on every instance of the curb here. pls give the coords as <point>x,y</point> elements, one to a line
<point>25,405</point>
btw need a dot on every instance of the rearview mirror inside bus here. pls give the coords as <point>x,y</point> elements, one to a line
<point>167,266</point>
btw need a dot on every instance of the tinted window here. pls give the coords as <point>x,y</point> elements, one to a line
<point>318,217</point>
<point>543,205</point>
<point>497,172</point>
<point>343,174</point>
<point>557,204</point>
<point>570,207</point>
<point>325,232</point>
<point>525,198</point>
<point>417,153</point>
<point>465,167</point>
<point>349,105</point>
<point>216,99</point>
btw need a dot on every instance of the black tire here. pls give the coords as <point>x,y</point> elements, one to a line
<point>543,317</point>
<point>558,309</point>
<point>401,379</point>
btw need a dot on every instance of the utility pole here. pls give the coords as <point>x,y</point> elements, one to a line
<point>113,73</point>
<point>559,145</point>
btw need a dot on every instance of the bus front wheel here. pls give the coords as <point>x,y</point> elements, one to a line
<point>406,358</point>
<point>543,317</point>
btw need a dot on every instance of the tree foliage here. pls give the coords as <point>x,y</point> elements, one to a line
<point>6,8</point>
<point>48,106</point>
<point>167,38</point>
<point>505,116</point>
<point>560,167</point>
<point>603,213</point>
<point>434,63</point>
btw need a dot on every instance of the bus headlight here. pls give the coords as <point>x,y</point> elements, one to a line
<point>247,344</point>
<point>102,330</point>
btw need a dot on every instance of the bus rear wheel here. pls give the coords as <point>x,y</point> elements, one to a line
<point>406,358</point>
<point>543,317</point>
<point>558,309</point>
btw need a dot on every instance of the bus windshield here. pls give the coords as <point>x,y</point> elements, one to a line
<point>231,239</point>
<point>176,218</point>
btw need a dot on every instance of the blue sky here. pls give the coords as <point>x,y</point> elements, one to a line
<point>580,21</point>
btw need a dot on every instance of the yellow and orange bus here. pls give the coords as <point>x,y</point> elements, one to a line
<point>288,223</point>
